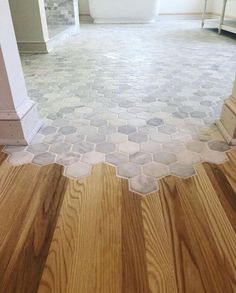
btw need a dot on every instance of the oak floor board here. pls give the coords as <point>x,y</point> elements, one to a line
<point>93,263</point>
<point>225,188</point>
<point>160,262</point>
<point>30,199</point>
<point>201,235</point>
<point>134,275</point>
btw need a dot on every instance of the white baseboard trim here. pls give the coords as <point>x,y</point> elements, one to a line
<point>21,131</point>
<point>32,47</point>
<point>19,112</point>
<point>121,21</point>
<point>197,15</point>
<point>48,45</point>
<point>230,140</point>
<point>61,37</point>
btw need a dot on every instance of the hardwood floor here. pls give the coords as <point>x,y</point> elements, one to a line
<point>94,235</point>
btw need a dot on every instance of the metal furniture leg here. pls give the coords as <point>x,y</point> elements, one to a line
<point>204,13</point>
<point>222,17</point>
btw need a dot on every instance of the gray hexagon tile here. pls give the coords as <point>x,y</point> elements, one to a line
<point>146,120</point>
<point>138,137</point>
<point>155,122</point>
<point>83,147</point>
<point>78,170</point>
<point>150,147</point>
<point>128,170</point>
<point>174,147</point>
<point>106,147</point>
<point>165,158</point>
<point>48,130</point>
<point>93,158</point>
<point>117,138</point>
<point>20,158</point>
<point>13,149</point>
<point>74,138</point>
<point>116,158</point>
<point>167,129</point>
<point>44,159</point>
<point>66,130</point>
<point>60,147</point>
<point>96,138</point>
<point>98,122</point>
<point>189,158</point>
<point>140,158</point>
<point>214,157</point>
<point>196,146</point>
<point>182,170</point>
<point>127,129</point>
<point>161,137</point>
<point>129,147</point>
<point>67,159</point>
<point>143,184</point>
<point>156,170</point>
<point>219,146</point>
<point>38,148</point>
<point>54,138</point>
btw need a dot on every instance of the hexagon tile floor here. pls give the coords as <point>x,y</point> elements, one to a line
<point>143,98</point>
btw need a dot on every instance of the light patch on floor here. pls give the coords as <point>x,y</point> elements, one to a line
<point>143,98</point>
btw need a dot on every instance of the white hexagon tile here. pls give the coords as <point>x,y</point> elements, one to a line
<point>141,98</point>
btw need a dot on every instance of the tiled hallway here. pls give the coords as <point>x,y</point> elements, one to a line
<point>141,98</point>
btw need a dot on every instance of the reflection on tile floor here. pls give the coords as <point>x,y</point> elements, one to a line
<point>143,98</point>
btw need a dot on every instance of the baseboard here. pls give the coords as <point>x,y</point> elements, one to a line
<point>121,21</point>
<point>32,47</point>
<point>19,112</point>
<point>196,15</point>
<point>230,140</point>
<point>85,18</point>
<point>48,45</point>
<point>20,132</point>
<point>61,37</point>
<point>214,15</point>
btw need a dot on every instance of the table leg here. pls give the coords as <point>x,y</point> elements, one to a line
<point>222,16</point>
<point>204,13</point>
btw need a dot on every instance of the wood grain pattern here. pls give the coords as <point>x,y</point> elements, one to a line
<point>108,239</point>
<point>177,240</point>
<point>30,199</point>
<point>75,259</point>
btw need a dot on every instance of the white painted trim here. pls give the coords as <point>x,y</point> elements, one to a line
<point>117,21</point>
<point>234,91</point>
<point>9,141</point>
<point>230,140</point>
<point>48,45</point>
<point>21,131</point>
<point>62,37</point>
<point>34,131</point>
<point>18,113</point>
<point>32,47</point>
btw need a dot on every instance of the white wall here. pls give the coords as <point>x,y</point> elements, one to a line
<point>166,7</point>
<point>29,20</point>
<point>230,10</point>
<point>83,7</point>
<point>183,6</point>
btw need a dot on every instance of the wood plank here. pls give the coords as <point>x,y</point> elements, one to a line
<point>85,255</point>
<point>134,276</point>
<point>30,199</point>
<point>99,240</point>
<point>202,238</point>
<point>221,179</point>
<point>159,258</point>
